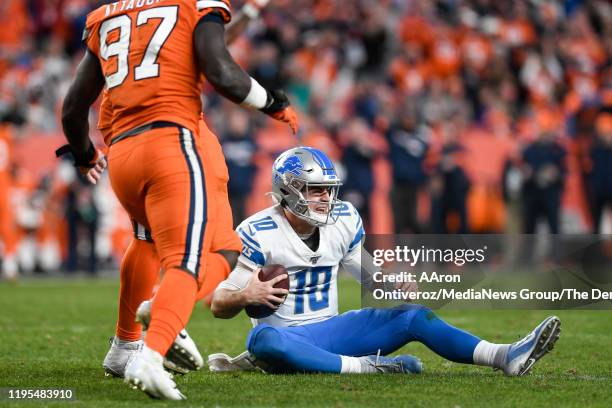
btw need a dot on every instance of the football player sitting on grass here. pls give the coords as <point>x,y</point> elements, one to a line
<point>311,232</point>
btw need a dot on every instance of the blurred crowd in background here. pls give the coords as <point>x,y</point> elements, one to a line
<point>448,116</point>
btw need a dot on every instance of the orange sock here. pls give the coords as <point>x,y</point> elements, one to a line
<point>171,309</point>
<point>217,269</point>
<point>139,272</point>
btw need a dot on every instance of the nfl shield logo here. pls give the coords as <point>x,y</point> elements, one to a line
<point>315,259</point>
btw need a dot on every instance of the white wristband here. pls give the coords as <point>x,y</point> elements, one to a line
<point>257,97</point>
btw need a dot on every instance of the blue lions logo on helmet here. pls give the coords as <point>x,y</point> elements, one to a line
<point>292,164</point>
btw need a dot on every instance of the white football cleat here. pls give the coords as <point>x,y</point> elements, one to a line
<point>222,363</point>
<point>146,372</point>
<point>523,354</point>
<point>120,354</point>
<point>183,355</point>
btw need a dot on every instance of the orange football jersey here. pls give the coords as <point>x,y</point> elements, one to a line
<point>145,48</point>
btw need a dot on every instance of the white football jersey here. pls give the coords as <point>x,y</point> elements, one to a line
<point>268,238</point>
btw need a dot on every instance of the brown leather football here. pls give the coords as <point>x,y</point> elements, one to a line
<point>267,273</point>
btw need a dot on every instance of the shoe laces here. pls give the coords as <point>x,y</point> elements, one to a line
<point>389,363</point>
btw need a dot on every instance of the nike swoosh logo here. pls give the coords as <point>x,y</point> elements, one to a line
<point>182,335</point>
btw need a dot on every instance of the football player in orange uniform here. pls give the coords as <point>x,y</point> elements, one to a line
<point>150,55</point>
<point>140,267</point>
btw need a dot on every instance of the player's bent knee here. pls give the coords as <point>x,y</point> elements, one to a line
<point>411,315</point>
<point>426,313</point>
<point>422,315</point>
<point>267,344</point>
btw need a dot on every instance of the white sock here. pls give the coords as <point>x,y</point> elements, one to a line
<point>350,365</point>
<point>490,354</point>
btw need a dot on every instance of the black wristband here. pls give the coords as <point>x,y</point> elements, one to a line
<point>80,160</point>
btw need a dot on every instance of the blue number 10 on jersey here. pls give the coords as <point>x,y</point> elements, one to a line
<point>312,288</point>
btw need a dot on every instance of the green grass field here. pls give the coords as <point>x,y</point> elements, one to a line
<point>54,334</point>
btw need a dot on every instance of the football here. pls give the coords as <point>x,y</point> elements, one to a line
<point>265,274</point>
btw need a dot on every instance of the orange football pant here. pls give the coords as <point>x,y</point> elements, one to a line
<point>158,178</point>
<point>140,266</point>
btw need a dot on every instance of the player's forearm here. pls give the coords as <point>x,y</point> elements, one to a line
<point>227,303</point>
<point>229,80</point>
<point>76,127</point>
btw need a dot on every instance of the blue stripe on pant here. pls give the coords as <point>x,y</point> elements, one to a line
<point>197,204</point>
<point>317,347</point>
